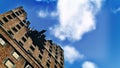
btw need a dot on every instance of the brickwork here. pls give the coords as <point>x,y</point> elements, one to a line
<point>18,49</point>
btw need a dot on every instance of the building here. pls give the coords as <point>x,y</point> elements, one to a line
<point>22,47</point>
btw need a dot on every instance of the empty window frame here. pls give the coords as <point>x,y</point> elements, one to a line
<point>29,51</point>
<point>28,66</point>
<point>40,56</point>
<point>5,19</point>
<point>56,62</point>
<point>24,21</point>
<point>55,66</point>
<point>20,12</point>
<point>26,35</point>
<point>48,61</point>
<point>50,50</point>
<point>49,55</point>
<point>32,48</point>
<point>48,65</point>
<point>9,64</point>
<point>1,23</point>
<point>17,13</point>
<point>14,29</point>
<point>41,51</point>
<point>21,24</point>
<point>18,26</point>
<point>9,17</point>
<point>10,32</point>
<point>56,57</point>
<point>13,15</point>
<point>61,63</point>
<point>56,53</point>
<point>50,46</point>
<point>61,67</point>
<point>24,39</point>
<point>20,43</point>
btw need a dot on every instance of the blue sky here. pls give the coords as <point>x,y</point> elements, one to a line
<point>87,30</point>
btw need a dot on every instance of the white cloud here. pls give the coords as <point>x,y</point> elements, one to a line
<point>45,0</point>
<point>117,10</point>
<point>76,17</point>
<point>42,14</point>
<point>71,54</point>
<point>88,64</point>
<point>46,13</point>
<point>54,14</point>
<point>38,0</point>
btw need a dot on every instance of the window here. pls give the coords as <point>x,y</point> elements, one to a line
<point>56,53</point>
<point>14,15</point>
<point>32,48</point>
<point>48,61</point>
<point>21,24</point>
<point>55,62</point>
<point>40,56</point>
<point>28,66</point>
<point>24,21</point>
<point>55,66</point>
<point>1,23</point>
<point>61,63</point>
<point>20,12</point>
<point>17,13</point>
<point>61,67</point>
<point>56,49</point>
<point>61,53</point>
<point>61,58</point>
<point>50,50</point>
<point>49,55</point>
<point>26,35</point>
<point>18,26</point>
<point>20,43</point>
<point>56,57</point>
<point>41,51</point>
<point>9,17</point>
<point>2,42</point>
<point>29,51</point>
<point>23,39</point>
<point>14,29</point>
<point>50,47</point>
<point>48,65</point>
<point>5,19</point>
<point>9,64</point>
<point>16,55</point>
<point>10,32</point>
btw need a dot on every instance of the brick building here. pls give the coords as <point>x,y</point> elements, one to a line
<point>22,47</point>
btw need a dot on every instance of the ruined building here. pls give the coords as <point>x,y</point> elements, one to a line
<point>22,47</point>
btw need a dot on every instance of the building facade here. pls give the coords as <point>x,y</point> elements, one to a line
<point>22,47</point>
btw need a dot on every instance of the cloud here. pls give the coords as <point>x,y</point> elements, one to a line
<point>45,0</point>
<point>117,10</point>
<point>71,54</point>
<point>88,64</point>
<point>42,14</point>
<point>76,17</point>
<point>46,13</point>
<point>54,14</point>
<point>39,0</point>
